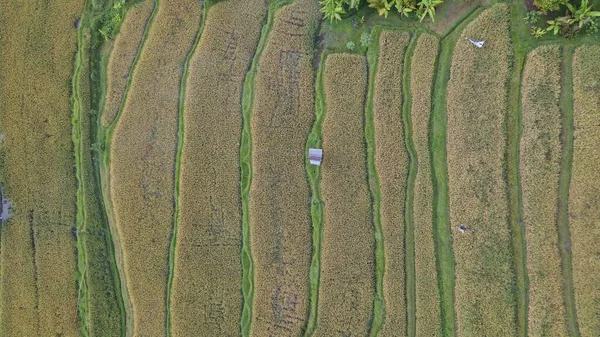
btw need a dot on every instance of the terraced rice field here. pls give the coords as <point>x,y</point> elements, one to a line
<point>159,183</point>
<point>279,213</point>
<point>207,255</point>
<point>540,168</point>
<point>583,196</point>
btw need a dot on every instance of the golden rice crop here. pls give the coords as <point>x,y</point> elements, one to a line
<point>206,292</point>
<point>38,259</point>
<point>142,162</point>
<point>122,55</point>
<point>540,165</point>
<point>280,222</point>
<point>391,162</point>
<point>422,69</point>
<point>346,289</point>
<point>476,109</point>
<point>584,200</point>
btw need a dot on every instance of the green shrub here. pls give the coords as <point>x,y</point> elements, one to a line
<point>549,5</point>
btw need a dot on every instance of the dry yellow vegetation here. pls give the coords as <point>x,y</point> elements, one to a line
<point>584,200</point>
<point>391,162</point>
<point>207,278</point>
<point>540,166</point>
<point>346,288</point>
<point>142,162</point>
<point>476,110</point>
<point>124,49</point>
<point>38,258</point>
<point>428,319</point>
<point>280,222</point>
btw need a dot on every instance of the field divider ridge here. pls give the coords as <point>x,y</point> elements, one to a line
<point>103,147</point>
<point>248,93</point>
<point>82,292</point>
<point>515,202</point>
<point>409,249</point>
<point>566,164</point>
<point>439,172</point>
<point>177,170</point>
<point>316,202</point>
<point>379,308</point>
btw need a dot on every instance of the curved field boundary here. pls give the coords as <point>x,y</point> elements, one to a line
<point>513,154</point>
<point>246,170</point>
<point>316,201</point>
<point>379,305</point>
<point>177,170</point>
<point>439,171</point>
<point>427,297</point>
<point>409,249</point>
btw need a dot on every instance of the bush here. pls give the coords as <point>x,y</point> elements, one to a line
<point>549,5</point>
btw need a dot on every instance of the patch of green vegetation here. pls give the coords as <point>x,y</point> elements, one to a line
<point>379,309</point>
<point>564,235</point>
<point>316,205</point>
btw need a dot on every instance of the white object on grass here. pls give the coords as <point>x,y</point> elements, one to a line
<point>477,44</point>
<point>315,156</point>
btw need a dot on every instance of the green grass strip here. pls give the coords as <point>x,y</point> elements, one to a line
<point>178,154</point>
<point>316,205</point>
<point>439,170</point>
<point>246,170</point>
<point>564,234</point>
<point>379,310</point>
<point>515,206</point>
<point>82,292</point>
<point>409,248</point>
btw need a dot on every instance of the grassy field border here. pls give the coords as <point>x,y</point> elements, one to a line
<point>409,248</point>
<point>82,292</point>
<point>379,307</point>
<point>178,154</point>
<point>439,170</point>
<point>566,163</point>
<point>316,205</point>
<point>248,94</point>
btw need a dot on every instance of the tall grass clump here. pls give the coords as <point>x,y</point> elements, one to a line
<point>385,126</point>
<point>280,224</point>
<point>476,109</point>
<point>142,160</point>
<point>584,200</point>
<point>207,276</point>
<point>422,70</point>
<point>346,291</point>
<point>124,51</point>
<point>540,166</point>
<point>37,251</point>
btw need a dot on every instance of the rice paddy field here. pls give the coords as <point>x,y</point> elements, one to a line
<point>155,177</point>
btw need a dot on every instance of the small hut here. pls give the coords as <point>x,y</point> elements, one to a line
<point>315,156</point>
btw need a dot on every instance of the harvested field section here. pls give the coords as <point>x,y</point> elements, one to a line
<point>540,165</point>
<point>125,51</point>
<point>476,109</point>
<point>207,276</point>
<point>280,222</point>
<point>427,293</point>
<point>584,200</point>
<point>347,289</point>
<point>391,163</point>
<point>142,161</point>
<point>38,258</point>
